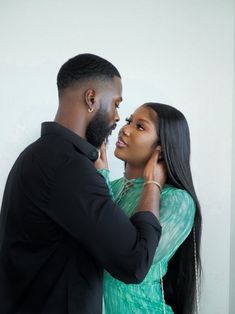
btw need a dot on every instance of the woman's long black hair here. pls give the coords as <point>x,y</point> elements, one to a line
<point>180,279</point>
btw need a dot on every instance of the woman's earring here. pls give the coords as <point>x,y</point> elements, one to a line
<point>90,109</point>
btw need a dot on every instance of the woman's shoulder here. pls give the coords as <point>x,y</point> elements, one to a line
<point>170,190</point>
<point>178,198</point>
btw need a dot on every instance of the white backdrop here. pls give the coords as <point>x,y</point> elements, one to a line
<point>232,225</point>
<point>178,52</point>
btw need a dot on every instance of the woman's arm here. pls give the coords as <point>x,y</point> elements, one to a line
<point>177,218</point>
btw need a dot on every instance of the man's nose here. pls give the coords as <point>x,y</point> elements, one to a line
<point>117,118</point>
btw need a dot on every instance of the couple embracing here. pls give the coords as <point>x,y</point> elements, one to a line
<point>71,239</point>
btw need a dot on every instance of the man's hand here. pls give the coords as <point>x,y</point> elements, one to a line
<point>155,169</point>
<point>102,161</point>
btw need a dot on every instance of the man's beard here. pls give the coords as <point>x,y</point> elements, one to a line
<point>99,128</point>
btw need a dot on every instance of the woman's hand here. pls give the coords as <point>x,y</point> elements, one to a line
<point>155,168</point>
<point>102,161</point>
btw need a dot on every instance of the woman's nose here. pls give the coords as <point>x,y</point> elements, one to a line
<point>126,131</point>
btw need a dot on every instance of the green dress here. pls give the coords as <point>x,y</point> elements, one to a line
<point>177,210</point>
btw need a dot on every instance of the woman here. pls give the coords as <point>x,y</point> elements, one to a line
<point>171,286</point>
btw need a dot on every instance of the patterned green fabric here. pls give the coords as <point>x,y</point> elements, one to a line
<point>177,210</point>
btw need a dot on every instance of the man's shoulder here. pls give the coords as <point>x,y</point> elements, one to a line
<point>52,151</point>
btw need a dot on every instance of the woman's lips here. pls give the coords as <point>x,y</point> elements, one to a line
<point>120,143</point>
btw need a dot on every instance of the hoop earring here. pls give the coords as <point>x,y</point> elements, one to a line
<point>90,110</point>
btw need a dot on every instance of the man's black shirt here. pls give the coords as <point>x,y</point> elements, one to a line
<point>59,229</point>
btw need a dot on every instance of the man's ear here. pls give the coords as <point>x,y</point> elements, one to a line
<point>89,97</point>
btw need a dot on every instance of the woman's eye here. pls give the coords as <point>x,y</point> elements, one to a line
<point>140,126</point>
<point>117,106</point>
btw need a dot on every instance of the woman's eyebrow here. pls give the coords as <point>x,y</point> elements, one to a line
<point>142,120</point>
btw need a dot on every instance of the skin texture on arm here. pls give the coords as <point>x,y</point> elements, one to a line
<point>153,171</point>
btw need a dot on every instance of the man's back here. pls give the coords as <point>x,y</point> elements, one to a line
<point>42,267</point>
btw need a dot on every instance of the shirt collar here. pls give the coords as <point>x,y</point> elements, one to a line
<point>55,128</point>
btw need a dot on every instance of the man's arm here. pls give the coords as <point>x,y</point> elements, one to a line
<point>80,203</point>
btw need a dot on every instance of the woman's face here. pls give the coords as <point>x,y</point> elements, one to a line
<point>137,137</point>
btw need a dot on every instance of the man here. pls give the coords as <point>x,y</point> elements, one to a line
<point>59,227</point>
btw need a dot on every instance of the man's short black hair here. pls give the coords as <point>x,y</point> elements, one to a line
<point>83,67</point>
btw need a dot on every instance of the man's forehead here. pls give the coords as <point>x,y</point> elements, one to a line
<point>118,85</point>
<point>115,86</point>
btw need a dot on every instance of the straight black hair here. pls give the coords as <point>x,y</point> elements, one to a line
<point>84,67</point>
<point>180,280</point>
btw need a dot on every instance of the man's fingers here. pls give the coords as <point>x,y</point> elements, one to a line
<point>156,154</point>
<point>102,149</point>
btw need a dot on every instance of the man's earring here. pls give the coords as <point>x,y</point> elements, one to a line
<point>90,109</point>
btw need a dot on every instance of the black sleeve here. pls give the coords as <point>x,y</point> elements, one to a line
<point>81,204</point>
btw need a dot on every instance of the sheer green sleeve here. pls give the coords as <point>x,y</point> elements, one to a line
<point>177,213</point>
<point>105,173</point>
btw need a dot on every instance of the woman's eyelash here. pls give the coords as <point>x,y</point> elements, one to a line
<point>138,125</point>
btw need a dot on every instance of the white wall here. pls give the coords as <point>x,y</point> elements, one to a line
<point>178,52</point>
<point>232,226</point>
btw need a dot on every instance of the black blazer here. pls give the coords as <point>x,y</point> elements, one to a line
<point>59,229</point>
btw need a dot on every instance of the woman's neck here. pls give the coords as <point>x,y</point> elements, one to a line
<point>133,172</point>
